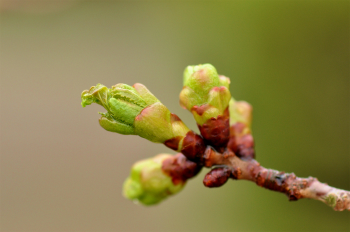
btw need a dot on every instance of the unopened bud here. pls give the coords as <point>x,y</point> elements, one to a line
<point>148,183</point>
<point>240,111</point>
<point>205,93</point>
<point>201,78</point>
<point>207,96</point>
<point>134,110</point>
<point>216,177</point>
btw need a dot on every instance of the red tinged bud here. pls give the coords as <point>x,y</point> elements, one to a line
<point>241,144</point>
<point>193,146</point>
<point>217,177</point>
<point>180,169</point>
<point>216,130</point>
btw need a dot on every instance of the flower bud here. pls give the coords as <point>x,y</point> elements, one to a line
<point>122,103</point>
<point>207,96</point>
<point>153,123</point>
<point>148,183</point>
<point>216,177</point>
<point>241,141</point>
<point>101,95</point>
<point>135,110</point>
<point>205,93</point>
<point>240,111</point>
<point>201,78</point>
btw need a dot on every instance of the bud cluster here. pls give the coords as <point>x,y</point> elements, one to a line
<point>134,110</point>
<point>207,96</point>
<point>225,143</point>
<point>152,180</point>
<point>224,125</point>
<point>241,140</point>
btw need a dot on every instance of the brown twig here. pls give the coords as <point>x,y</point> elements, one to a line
<point>231,166</point>
<point>236,161</point>
<point>226,143</point>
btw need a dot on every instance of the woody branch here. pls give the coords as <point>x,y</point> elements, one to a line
<point>226,143</point>
<point>228,165</point>
<point>294,187</point>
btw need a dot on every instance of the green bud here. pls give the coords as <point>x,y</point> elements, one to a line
<point>122,102</point>
<point>119,109</point>
<point>132,189</point>
<point>240,111</point>
<point>201,78</point>
<point>202,85</point>
<point>148,184</point>
<point>134,110</point>
<point>153,123</point>
<point>205,93</point>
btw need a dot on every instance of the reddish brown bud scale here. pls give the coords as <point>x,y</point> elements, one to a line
<point>241,144</point>
<point>216,131</point>
<point>173,143</point>
<point>193,147</point>
<point>237,128</point>
<point>216,177</point>
<point>180,169</point>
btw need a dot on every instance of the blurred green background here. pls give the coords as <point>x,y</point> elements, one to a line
<point>61,172</point>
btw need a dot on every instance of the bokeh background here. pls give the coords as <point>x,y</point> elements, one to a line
<point>61,172</point>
